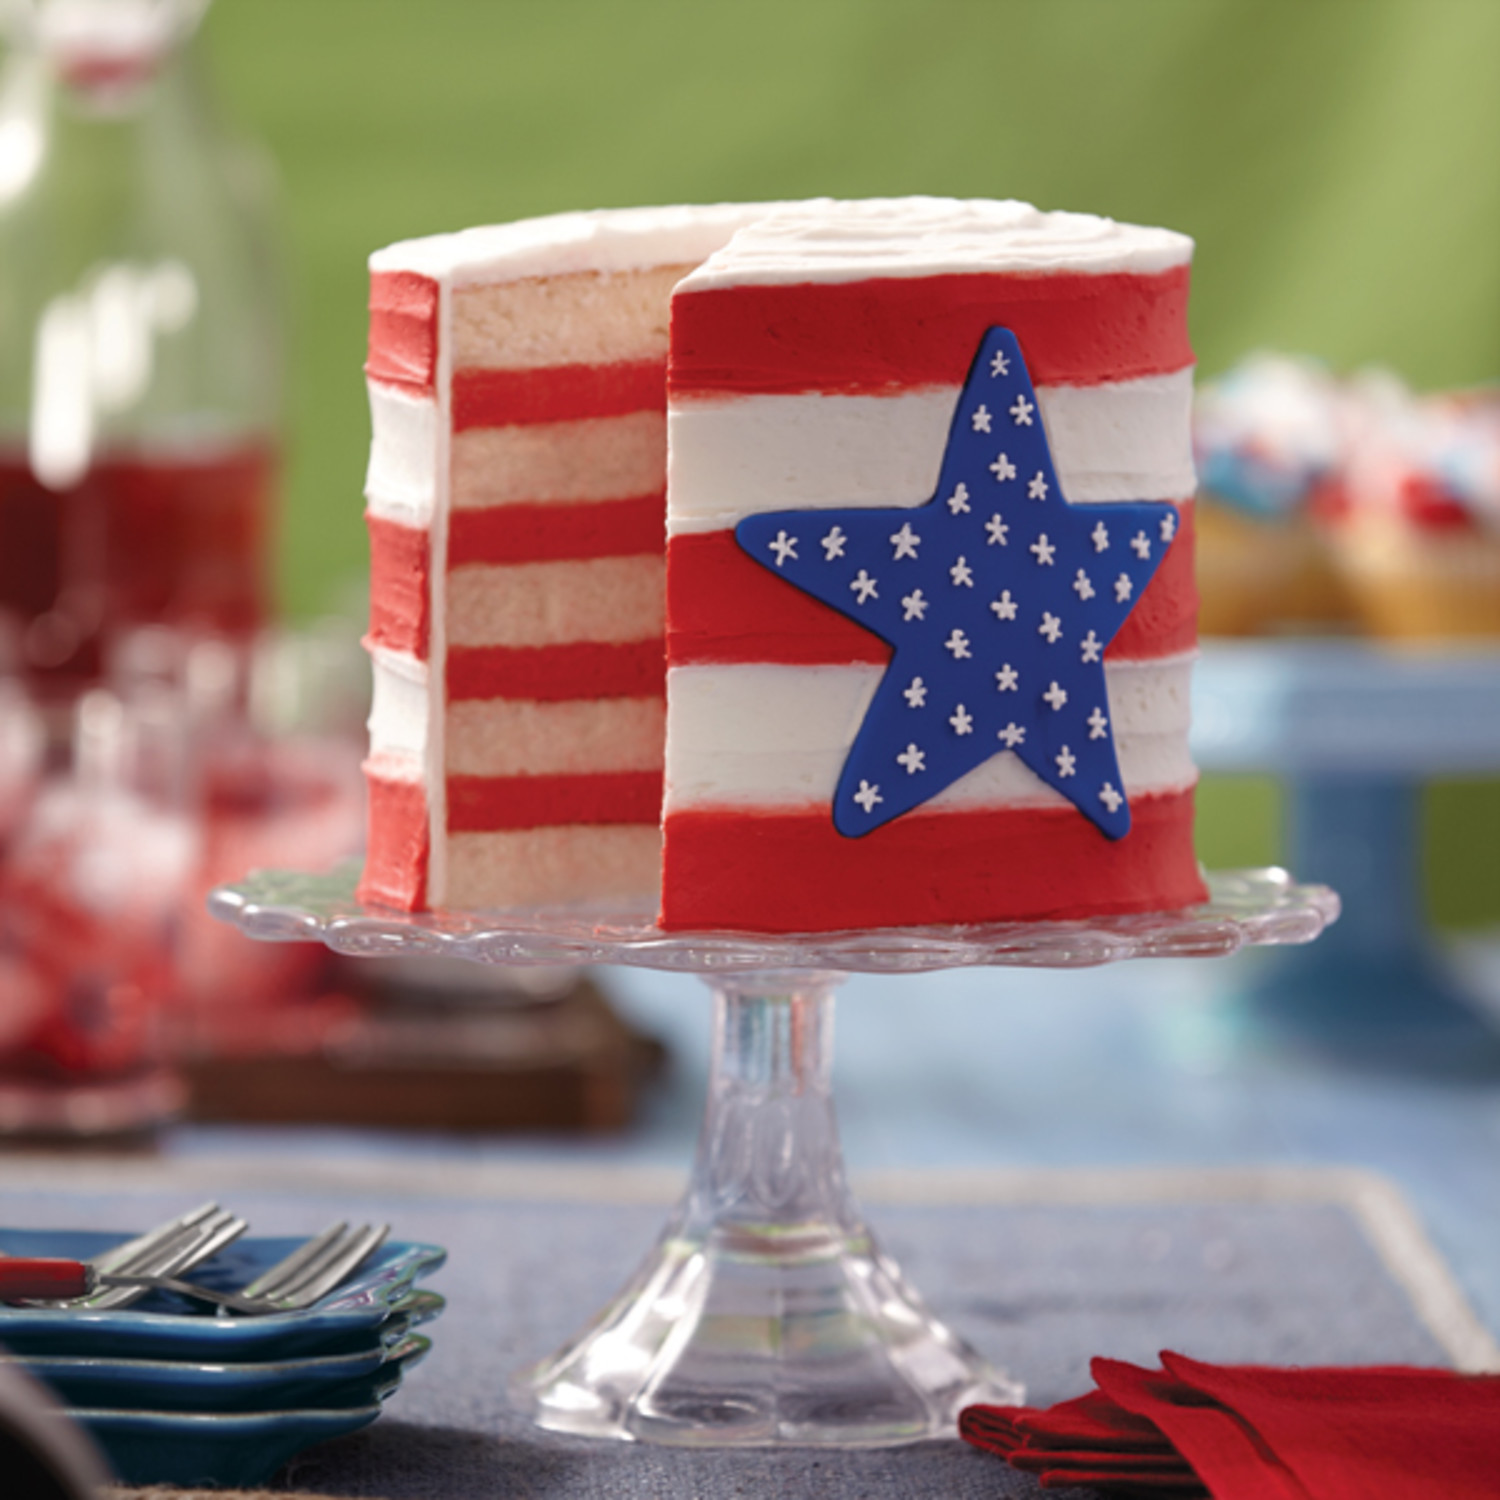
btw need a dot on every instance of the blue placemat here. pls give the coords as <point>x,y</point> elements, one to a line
<point>1039,1271</point>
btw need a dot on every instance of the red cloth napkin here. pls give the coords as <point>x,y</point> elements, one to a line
<point>1243,1432</point>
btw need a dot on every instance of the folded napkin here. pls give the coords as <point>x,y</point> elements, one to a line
<point>1242,1432</point>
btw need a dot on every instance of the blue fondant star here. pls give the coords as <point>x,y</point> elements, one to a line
<point>998,598</point>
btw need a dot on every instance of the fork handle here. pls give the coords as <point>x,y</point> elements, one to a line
<point>23,1277</point>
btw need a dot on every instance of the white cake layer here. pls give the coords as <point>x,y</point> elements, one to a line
<point>575,737</point>
<point>828,242</point>
<point>1130,440</point>
<point>600,458</point>
<point>604,599</point>
<point>531,866</point>
<point>601,240</point>
<point>587,318</point>
<point>401,481</point>
<point>398,706</point>
<point>772,736</point>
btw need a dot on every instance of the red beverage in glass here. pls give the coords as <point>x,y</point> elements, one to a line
<point>178,540</point>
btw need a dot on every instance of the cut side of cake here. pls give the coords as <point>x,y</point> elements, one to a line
<point>516,503</point>
<point>544,394</point>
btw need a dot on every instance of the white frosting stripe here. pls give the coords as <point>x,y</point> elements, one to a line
<point>732,458</point>
<point>401,481</point>
<point>762,736</point>
<point>398,707</point>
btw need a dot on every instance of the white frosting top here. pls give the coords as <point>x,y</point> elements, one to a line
<point>823,240</point>
<point>604,239</point>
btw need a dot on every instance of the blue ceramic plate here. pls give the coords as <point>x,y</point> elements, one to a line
<point>373,1308</point>
<point>192,1448</point>
<point>332,1383</point>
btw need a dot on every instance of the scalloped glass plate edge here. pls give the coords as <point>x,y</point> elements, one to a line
<point>1245,907</point>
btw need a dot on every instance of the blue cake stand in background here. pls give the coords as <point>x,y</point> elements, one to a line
<point>1355,732</point>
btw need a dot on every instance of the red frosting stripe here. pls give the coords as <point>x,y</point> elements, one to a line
<point>400,586</point>
<point>488,804</point>
<point>791,872</point>
<point>719,603</point>
<point>557,393</point>
<point>1164,621</point>
<point>584,669</point>
<point>542,532</point>
<point>396,858</point>
<point>888,334</point>
<point>403,329</point>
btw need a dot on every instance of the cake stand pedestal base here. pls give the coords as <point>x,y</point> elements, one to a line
<point>766,1314</point>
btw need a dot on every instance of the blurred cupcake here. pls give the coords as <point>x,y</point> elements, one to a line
<point>1267,444</point>
<point>1417,541</point>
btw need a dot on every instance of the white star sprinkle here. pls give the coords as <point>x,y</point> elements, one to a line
<point>1123,588</point>
<point>961,720</point>
<point>1006,679</point>
<point>1100,537</point>
<point>997,530</point>
<point>1142,545</point>
<point>1012,734</point>
<point>1110,797</point>
<point>864,586</point>
<point>915,693</point>
<point>958,501</point>
<point>1037,489</point>
<point>1082,587</point>
<point>958,644</point>
<point>914,606</point>
<point>833,544</point>
<point>1021,411</point>
<point>1003,469</point>
<point>1066,764</point>
<point>1044,550</point>
<point>1090,647</point>
<point>867,796</point>
<point>784,547</point>
<point>1098,727</point>
<point>1168,527</point>
<point>1051,627</point>
<point>1056,695</point>
<point>906,542</point>
<point>961,574</point>
<point>1004,606</point>
<point>981,419</point>
<point>999,365</point>
<point>913,759</point>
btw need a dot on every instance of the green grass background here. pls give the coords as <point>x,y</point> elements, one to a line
<point>1338,162</point>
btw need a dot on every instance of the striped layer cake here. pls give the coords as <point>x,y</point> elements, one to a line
<point>533,421</point>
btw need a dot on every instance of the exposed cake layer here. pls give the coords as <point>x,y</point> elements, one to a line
<point>816,365</point>
<point>517,505</point>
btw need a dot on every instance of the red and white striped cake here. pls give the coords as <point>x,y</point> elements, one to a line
<point>519,387</point>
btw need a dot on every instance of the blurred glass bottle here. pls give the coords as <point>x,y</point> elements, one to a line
<point>140,358</point>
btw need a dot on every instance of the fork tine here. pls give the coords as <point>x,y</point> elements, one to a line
<point>312,1273</point>
<point>270,1282</point>
<point>310,1287</point>
<point>122,1257</point>
<point>204,1239</point>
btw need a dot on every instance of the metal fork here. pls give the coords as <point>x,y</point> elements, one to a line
<point>302,1278</point>
<point>169,1251</point>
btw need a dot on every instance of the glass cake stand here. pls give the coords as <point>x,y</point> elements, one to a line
<point>766,1313</point>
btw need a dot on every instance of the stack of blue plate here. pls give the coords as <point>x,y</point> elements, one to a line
<point>177,1395</point>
